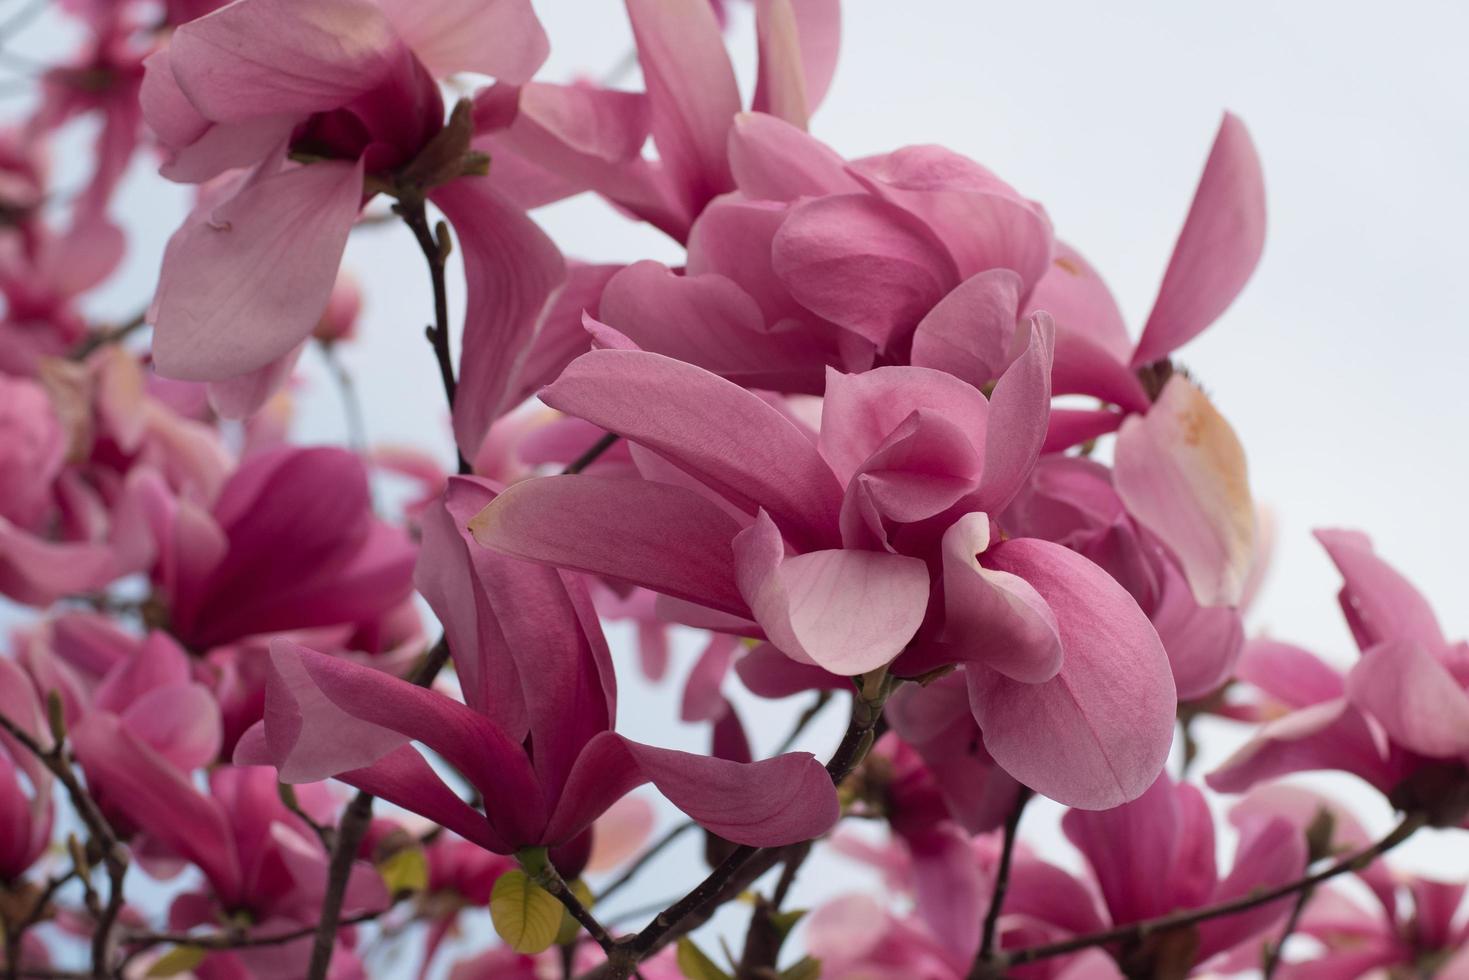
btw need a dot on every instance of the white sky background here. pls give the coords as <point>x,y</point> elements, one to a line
<point>1342,366</point>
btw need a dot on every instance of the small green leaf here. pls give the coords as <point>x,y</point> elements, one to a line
<point>807,968</point>
<point>694,965</point>
<point>784,922</point>
<point>525,915</point>
<point>405,871</point>
<point>569,926</point>
<point>180,959</point>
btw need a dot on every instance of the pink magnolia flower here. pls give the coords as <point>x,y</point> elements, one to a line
<point>289,543</point>
<point>1398,719</point>
<point>537,725</point>
<point>351,90</point>
<point>559,140</point>
<point>1156,855</point>
<point>872,542</point>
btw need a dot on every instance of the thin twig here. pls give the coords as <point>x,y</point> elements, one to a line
<point>589,457</point>
<point>1177,920</point>
<point>1274,951</point>
<point>805,719</point>
<point>238,940</point>
<point>1002,883</point>
<point>114,858</point>
<point>98,339</point>
<point>550,879</point>
<point>351,404</point>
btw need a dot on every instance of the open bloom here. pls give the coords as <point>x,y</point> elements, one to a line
<point>871,543</point>
<point>1399,719</point>
<point>535,736</point>
<point>348,87</point>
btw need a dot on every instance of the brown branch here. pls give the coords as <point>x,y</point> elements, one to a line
<point>237,940</point>
<point>1274,951</point>
<point>746,863</point>
<point>659,847</point>
<point>114,857</point>
<point>98,339</point>
<point>1137,931</point>
<point>595,450</point>
<point>1002,884</point>
<point>544,873</point>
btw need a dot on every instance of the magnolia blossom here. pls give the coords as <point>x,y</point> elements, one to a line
<point>872,542</point>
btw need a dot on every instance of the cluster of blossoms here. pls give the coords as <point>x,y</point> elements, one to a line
<point>828,442</point>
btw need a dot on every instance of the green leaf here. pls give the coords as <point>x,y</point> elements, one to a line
<point>784,922</point>
<point>180,959</point>
<point>405,871</point>
<point>525,915</point>
<point>569,926</point>
<point>807,968</point>
<point>694,965</point>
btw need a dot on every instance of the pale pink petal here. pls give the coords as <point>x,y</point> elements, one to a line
<point>620,833</point>
<point>950,892</point>
<point>1084,367</point>
<point>1217,250</point>
<point>264,57</point>
<point>512,270</point>
<point>995,618</point>
<point>726,437</point>
<point>861,411</point>
<point>1069,427</point>
<point>780,84</point>
<point>862,263</point>
<point>502,38</point>
<point>245,281</point>
<point>1097,734</point>
<point>1289,674</point>
<point>847,611</point>
<point>1181,472</point>
<point>661,537</point>
<point>181,722</point>
<point>1328,735</point>
<point>243,396</point>
<point>775,161</point>
<point>1203,642</point>
<point>702,698</point>
<point>968,333</point>
<point>1379,603</point>
<point>38,572</point>
<point>691,88</point>
<point>562,338</point>
<point>1414,696</point>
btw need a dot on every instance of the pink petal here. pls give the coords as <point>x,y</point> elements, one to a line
<point>768,673</point>
<point>1217,250</point>
<point>1020,408</point>
<point>691,88</point>
<point>502,38</point>
<point>1414,696</point>
<point>661,537</point>
<point>862,263</point>
<point>130,777</point>
<point>1328,735</point>
<point>653,307</point>
<point>1181,472</point>
<point>770,803</point>
<point>561,339</point>
<point>995,618</point>
<point>1203,642</point>
<point>404,778</point>
<point>968,332</point>
<point>264,57</point>
<point>1084,367</point>
<point>780,84</point>
<point>1268,857</point>
<point>241,397</point>
<point>846,611</point>
<point>1133,850</point>
<point>1081,304</point>
<point>776,161</point>
<point>181,722</point>
<point>512,270</point>
<point>1097,734</point>
<point>702,699</point>
<point>325,716</point>
<point>950,892</point>
<point>1379,603</point>
<point>1289,674</point>
<point>1069,427</point>
<point>245,281</point>
<point>723,435</point>
<point>981,220</point>
<point>39,572</point>
<point>733,238</point>
<point>862,410</point>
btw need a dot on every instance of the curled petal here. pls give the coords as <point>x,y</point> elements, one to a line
<point>1379,603</point>
<point>1414,696</point>
<point>773,160</point>
<point>968,332</point>
<point>502,38</point>
<point>846,611</point>
<point>1095,735</point>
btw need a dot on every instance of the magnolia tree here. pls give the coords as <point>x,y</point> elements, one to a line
<point>235,743</point>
